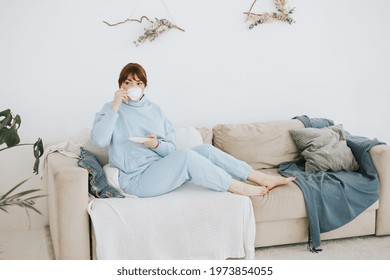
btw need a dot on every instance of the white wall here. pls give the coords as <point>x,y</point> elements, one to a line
<point>59,63</point>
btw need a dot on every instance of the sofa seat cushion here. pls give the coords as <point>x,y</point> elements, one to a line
<point>283,202</point>
<point>261,144</point>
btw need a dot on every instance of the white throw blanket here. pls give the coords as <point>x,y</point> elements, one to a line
<point>191,222</point>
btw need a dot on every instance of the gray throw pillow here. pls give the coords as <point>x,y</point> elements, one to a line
<point>324,149</point>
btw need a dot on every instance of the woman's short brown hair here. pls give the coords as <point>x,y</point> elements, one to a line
<point>133,69</point>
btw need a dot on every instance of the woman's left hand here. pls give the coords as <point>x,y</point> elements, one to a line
<point>153,142</point>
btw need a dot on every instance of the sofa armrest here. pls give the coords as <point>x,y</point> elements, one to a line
<point>380,155</point>
<point>68,198</point>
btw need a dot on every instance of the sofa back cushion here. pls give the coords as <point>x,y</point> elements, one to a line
<point>261,144</point>
<point>188,137</point>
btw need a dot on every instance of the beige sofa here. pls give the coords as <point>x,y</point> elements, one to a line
<point>280,216</point>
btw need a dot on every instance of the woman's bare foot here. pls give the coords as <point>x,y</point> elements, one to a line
<point>275,181</point>
<point>242,188</point>
<point>270,181</point>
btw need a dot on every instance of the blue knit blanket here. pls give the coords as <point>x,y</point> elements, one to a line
<point>335,198</point>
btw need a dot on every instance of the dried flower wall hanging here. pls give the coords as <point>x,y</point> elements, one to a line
<point>282,14</point>
<point>155,28</point>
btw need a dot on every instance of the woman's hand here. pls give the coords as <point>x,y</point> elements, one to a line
<point>153,142</point>
<point>119,97</point>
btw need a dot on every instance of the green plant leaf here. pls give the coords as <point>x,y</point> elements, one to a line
<point>7,117</point>
<point>18,199</point>
<point>38,152</point>
<point>9,128</point>
<point>14,188</point>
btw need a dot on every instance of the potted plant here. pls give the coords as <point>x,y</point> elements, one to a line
<point>9,138</point>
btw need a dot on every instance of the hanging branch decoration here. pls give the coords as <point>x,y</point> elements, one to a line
<point>155,28</point>
<point>282,14</point>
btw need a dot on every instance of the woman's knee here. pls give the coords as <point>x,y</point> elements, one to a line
<point>185,155</point>
<point>204,149</point>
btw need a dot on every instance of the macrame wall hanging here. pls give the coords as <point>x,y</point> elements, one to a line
<point>281,14</point>
<point>155,27</point>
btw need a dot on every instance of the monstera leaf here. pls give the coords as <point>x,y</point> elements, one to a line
<point>9,126</point>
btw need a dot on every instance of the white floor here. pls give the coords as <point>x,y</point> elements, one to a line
<point>34,244</point>
<point>354,248</point>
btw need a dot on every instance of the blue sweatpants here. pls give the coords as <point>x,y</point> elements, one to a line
<point>203,165</point>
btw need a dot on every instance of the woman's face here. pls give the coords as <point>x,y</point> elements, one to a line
<point>132,81</point>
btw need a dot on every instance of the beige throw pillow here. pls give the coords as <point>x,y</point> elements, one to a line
<point>324,149</point>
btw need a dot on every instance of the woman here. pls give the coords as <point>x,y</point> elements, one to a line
<point>155,167</point>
